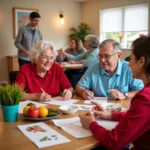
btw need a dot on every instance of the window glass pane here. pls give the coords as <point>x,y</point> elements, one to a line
<point>114,36</point>
<point>136,18</point>
<point>111,20</point>
<point>129,37</point>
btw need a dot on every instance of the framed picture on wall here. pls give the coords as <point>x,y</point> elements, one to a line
<point>20,18</point>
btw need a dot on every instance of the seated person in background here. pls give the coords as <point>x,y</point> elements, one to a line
<point>89,57</point>
<point>134,125</point>
<point>76,48</point>
<point>43,78</point>
<point>110,77</point>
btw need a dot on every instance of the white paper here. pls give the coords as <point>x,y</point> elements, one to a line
<point>43,137</point>
<point>107,124</point>
<point>84,107</point>
<point>99,100</point>
<point>24,103</point>
<point>73,127</point>
<point>60,101</point>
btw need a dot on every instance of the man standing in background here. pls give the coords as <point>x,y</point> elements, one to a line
<point>27,37</point>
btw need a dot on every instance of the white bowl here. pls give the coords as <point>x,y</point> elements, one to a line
<point>68,109</point>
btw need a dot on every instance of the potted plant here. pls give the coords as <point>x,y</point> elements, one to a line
<point>80,32</point>
<point>10,95</point>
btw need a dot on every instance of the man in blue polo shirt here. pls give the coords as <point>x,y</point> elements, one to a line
<point>110,76</point>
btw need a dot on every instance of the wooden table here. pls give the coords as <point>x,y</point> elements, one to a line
<point>11,138</point>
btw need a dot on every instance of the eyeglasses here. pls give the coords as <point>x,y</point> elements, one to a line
<point>46,58</point>
<point>106,56</point>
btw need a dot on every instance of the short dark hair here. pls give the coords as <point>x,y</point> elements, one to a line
<point>34,15</point>
<point>141,47</point>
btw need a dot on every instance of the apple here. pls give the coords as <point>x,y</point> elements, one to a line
<point>33,112</point>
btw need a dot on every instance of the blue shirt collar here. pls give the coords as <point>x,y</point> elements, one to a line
<point>118,71</point>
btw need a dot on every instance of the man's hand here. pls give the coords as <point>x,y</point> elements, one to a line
<point>87,94</point>
<point>117,94</point>
<point>26,53</point>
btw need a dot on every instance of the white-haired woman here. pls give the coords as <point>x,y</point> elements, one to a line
<point>43,78</point>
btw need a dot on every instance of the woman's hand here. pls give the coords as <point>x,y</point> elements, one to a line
<point>71,61</point>
<point>100,112</point>
<point>67,94</point>
<point>87,119</point>
<point>43,96</point>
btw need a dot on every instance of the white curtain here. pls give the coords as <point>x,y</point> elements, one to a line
<point>136,18</point>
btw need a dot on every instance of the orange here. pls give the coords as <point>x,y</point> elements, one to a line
<point>25,110</point>
<point>43,111</point>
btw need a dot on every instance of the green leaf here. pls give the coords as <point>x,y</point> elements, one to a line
<point>81,31</point>
<point>10,94</point>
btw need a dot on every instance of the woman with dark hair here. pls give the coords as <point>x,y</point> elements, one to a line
<point>134,125</point>
<point>89,57</point>
<point>76,48</point>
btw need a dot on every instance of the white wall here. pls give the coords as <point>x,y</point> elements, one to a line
<point>49,24</point>
<point>91,10</point>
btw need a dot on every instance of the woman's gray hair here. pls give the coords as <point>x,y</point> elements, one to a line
<point>39,47</point>
<point>94,41</point>
<point>116,45</point>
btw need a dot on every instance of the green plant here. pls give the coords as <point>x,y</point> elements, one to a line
<point>10,95</point>
<point>81,31</point>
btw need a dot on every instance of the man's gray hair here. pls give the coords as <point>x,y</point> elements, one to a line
<point>39,47</point>
<point>116,45</point>
<point>94,41</point>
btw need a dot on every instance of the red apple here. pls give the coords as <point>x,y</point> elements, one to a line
<point>33,112</point>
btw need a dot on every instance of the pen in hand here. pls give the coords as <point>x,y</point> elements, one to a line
<point>90,94</point>
<point>43,90</point>
<point>46,96</point>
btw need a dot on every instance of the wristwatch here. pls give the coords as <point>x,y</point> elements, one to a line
<point>126,95</point>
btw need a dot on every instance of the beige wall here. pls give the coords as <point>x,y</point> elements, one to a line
<point>49,24</point>
<point>91,10</point>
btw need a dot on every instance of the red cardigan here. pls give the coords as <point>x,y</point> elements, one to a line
<point>133,126</point>
<point>54,81</point>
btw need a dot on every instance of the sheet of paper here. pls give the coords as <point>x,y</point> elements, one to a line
<point>107,124</point>
<point>60,101</point>
<point>109,106</point>
<point>42,135</point>
<point>73,127</point>
<point>84,107</point>
<point>22,104</point>
<point>99,100</point>
<point>70,65</point>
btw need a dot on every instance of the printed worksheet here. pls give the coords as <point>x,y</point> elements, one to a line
<point>84,107</point>
<point>60,101</point>
<point>99,100</point>
<point>73,127</point>
<point>42,135</point>
<point>22,104</point>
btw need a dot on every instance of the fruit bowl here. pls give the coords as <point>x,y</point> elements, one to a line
<point>42,119</point>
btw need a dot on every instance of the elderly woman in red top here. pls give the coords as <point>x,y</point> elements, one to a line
<point>43,78</point>
<point>134,125</point>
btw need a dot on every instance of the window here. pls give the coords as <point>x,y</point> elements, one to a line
<point>124,24</point>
